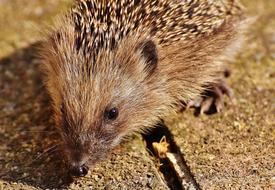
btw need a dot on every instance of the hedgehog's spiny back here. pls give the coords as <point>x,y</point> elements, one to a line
<point>103,23</point>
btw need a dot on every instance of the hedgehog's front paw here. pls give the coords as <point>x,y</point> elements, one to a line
<point>212,100</point>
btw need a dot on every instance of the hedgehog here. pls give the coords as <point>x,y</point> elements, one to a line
<point>116,67</point>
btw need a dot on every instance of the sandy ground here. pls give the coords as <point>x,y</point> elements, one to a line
<point>231,150</point>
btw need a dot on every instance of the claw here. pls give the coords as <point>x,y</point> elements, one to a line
<point>206,104</point>
<point>226,89</point>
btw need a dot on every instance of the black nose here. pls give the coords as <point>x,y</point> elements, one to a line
<point>79,171</point>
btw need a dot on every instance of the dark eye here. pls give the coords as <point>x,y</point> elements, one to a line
<point>112,114</point>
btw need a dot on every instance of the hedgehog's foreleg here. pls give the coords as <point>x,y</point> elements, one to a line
<point>212,99</point>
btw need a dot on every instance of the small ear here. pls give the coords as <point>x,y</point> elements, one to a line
<point>149,52</point>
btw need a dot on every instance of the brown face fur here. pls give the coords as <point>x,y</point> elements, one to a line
<point>84,91</point>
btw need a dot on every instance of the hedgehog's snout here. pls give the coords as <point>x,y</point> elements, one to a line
<point>78,166</point>
<point>79,170</point>
<point>77,158</point>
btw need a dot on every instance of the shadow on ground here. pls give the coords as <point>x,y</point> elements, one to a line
<point>27,137</point>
